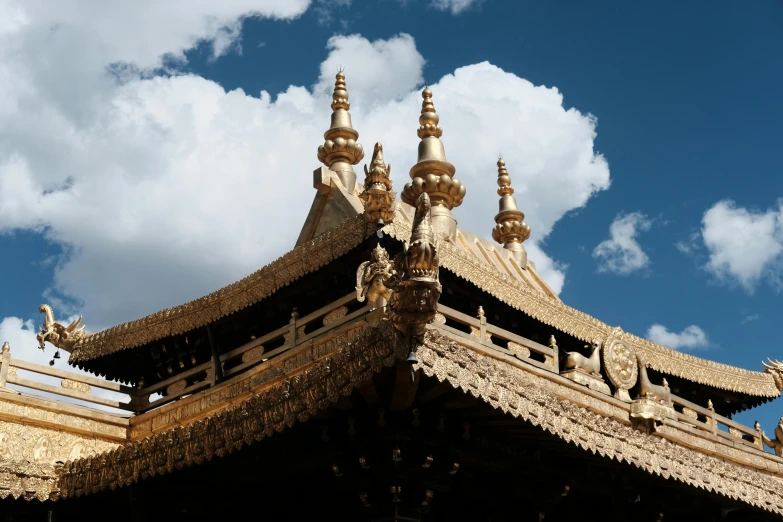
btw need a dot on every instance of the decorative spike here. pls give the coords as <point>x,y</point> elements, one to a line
<point>433,174</point>
<point>511,230</point>
<point>378,198</point>
<point>340,149</point>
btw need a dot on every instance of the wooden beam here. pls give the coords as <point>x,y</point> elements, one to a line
<point>368,391</point>
<point>217,368</point>
<point>405,387</point>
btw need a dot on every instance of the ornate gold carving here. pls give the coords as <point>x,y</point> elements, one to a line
<point>777,443</point>
<point>372,276</point>
<point>589,365</point>
<point>656,392</point>
<point>69,384</point>
<point>60,420</point>
<point>541,403</point>
<point>378,198</point>
<point>735,432</point>
<point>774,368</point>
<point>252,354</point>
<point>60,336</point>
<point>591,381</point>
<point>176,387</point>
<point>690,413</point>
<point>654,401</point>
<point>620,364</point>
<point>511,230</point>
<point>518,350</point>
<point>28,455</point>
<point>277,408</point>
<point>11,375</point>
<point>335,315</point>
<point>439,318</point>
<point>414,302</point>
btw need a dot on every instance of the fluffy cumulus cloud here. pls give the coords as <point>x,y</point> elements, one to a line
<point>622,253</point>
<point>161,189</point>
<point>690,338</point>
<point>745,246</point>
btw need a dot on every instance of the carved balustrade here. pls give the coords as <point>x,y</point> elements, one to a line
<point>27,376</point>
<point>477,330</point>
<point>269,347</point>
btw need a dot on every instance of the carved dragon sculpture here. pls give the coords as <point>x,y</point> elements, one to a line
<point>775,368</point>
<point>777,443</point>
<point>590,365</point>
<point>60,336</point>
<point>660,393</point>
<point>414,302</point>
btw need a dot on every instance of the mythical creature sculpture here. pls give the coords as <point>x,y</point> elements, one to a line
<point>659,393</point>
<point>777,443</point>
<point>414,302</point>
<point>371,277</point>
<point>776,369</point>
<point>60,336</point>
<point>590,365</point>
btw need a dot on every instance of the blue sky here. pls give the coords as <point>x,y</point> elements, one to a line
<point>686,98</point>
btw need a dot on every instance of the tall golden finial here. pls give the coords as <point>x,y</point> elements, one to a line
<point>340,149</point>
<point>511,229</point>
<point>432,173</point>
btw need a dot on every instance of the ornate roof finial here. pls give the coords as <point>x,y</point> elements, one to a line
<point>432,173</point>
<point>511,229</point>
<point>340,149</point>
<point>378,197</point>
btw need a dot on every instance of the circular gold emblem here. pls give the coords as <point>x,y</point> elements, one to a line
<point>620,364</point>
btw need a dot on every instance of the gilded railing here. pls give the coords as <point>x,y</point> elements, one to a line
<point>76,386</point>
<point>298,331</point>
<point>478,330</point>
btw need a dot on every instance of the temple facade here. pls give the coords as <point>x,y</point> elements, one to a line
<point>391,367</point>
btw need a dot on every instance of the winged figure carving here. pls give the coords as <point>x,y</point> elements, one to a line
<point>60,336</point>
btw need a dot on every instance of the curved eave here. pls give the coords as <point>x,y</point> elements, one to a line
<point>529,295</point>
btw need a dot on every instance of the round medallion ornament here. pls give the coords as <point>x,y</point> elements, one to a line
<point>620,364</point>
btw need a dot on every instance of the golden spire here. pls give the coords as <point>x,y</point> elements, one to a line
<point>340,149</point>
<point>433,174</point>
<point>378,198</point>
<point>511,229</point>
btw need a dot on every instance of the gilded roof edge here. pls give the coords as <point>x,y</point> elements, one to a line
<point>310,256</point>
<point>585,327</point>
<point>300,261</point>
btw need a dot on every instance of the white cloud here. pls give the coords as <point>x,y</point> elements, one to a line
<point>162,189</point>
<point>455,6</point>
<point>622,253</point>
<point>690,337</point>
<point>745,246</point>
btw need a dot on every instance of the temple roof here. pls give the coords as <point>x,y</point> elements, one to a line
<point>337,223</point>
<point>474,259</point>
